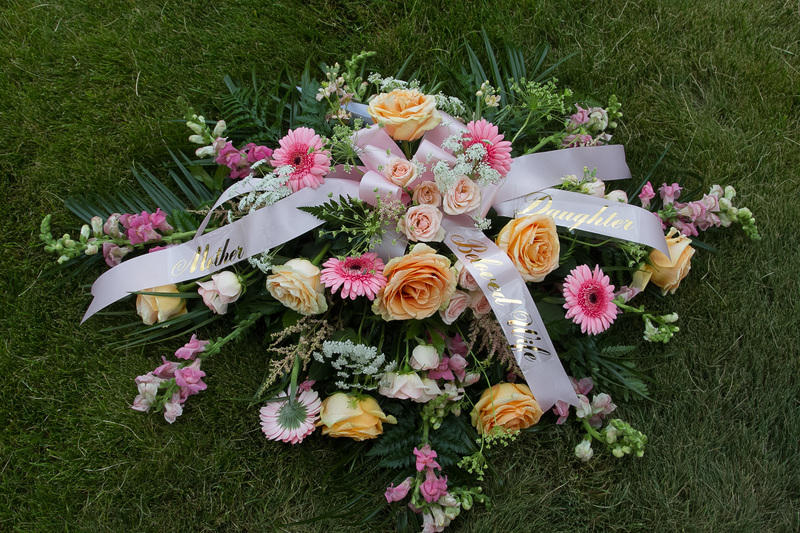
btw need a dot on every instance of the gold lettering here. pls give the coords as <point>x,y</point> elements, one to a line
<point>534,204</point>
<point>628,225</point>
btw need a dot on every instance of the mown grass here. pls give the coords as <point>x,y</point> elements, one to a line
<point>86,92</point>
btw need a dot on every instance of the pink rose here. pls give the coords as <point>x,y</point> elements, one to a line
<point>223,289</point>
<point>479,303</point>
<point>465,279</point>
<point>458,304</point>
<point>422,223</point>
<point>400,172</point>
<point>427,193</point>
<point>462,197</point>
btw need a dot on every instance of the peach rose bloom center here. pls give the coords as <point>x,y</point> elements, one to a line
<point>508,405</point>
<point>532,244</point>
<point>356,418</point>
<point>296,285</point>
<point>668,272</point>
<point>159,309</point>
<point>406,114</point>
<point>418,284</point>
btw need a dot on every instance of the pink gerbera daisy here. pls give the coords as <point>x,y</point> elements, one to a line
<point>590,299</point>
<point>291,420</point>
<point>301,150</point>
<point>357,276</point>
<point>498,151</point>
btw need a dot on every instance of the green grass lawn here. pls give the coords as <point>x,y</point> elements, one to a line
<point>85,93</point>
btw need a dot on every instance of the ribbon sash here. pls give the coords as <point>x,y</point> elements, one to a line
<point>514,309</point>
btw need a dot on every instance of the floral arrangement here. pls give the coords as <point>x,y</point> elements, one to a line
<point>430,268</point>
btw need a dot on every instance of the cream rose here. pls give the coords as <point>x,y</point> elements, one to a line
<point>422,223</point>
<point>296,285</point>
<point>532,244</point>
<point>427,193</point>
<point>159,309</point>
<point>357,418</point>
<point>667,272</point>
<point>406,114</point>
<point>507,405</point>
<point>400,172</point>
<point>408,387</point>
<point>418,284</point>
<point>462,197</point>
<point>424,357</point>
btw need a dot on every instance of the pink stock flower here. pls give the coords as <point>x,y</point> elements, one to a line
<point>626,294</point>
<point>301,149</point>
<point>433,487</point>
<point>357,276</point>
<point>229,156</point>
<point>442,371</point>
<point>173,408</point>
<point>647,194</point>
<point>456,345</point>
<point>573,141</point>
<point>426,458</point>
<point>190,379</point>
<point>458,366</point>
<point>579,118</point>
<point>111,226</point>
<point>498,151</point>
<point>167,369</point>
<point>395,494</point>
<point>583,386</point>
<point>561,408</point>
<point>113,254</point>
<point>669,193</point>
<point>191,348</point>
<point>589,298</point>
<point>291,421</point>
<point>257,153</point>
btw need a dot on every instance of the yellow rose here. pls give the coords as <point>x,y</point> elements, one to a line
<point>418,284</point>
<point>507,405</point>
<point>406,114</point>
<point>532,244</point>
<point>296,285</point>
<point>667,272</point>
<point>154,309</point>
<point>358,418</point>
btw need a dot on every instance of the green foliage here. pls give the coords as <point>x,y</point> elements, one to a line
<point>396,446</point>
<point>352,226</point>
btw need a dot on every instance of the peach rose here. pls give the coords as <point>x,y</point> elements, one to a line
<point>358,418</point>
<point>532,244</point>
<point>427,193</point>
<point>159,309</point>
<point>507,405</point>
<point>400,172</point>
<point>418,284</point>
<point>296,285</point>
<point>422,223</point>
<point>406,114</point>
<point>667,272</point>
<point>462,197</point>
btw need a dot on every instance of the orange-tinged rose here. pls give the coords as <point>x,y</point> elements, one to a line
<point>418,284</point>
<point>508,405</point>
<point>406,114</point>
<point>154,309</point>
<point>531,243</point>
<point>358,418</point>
<point>667,272</point>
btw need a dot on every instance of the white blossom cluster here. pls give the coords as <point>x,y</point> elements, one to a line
<point>469,162</point>
<point>351,360</point>
<point>390,84</point>
<point>267,190</point>
<point>450,105</point>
